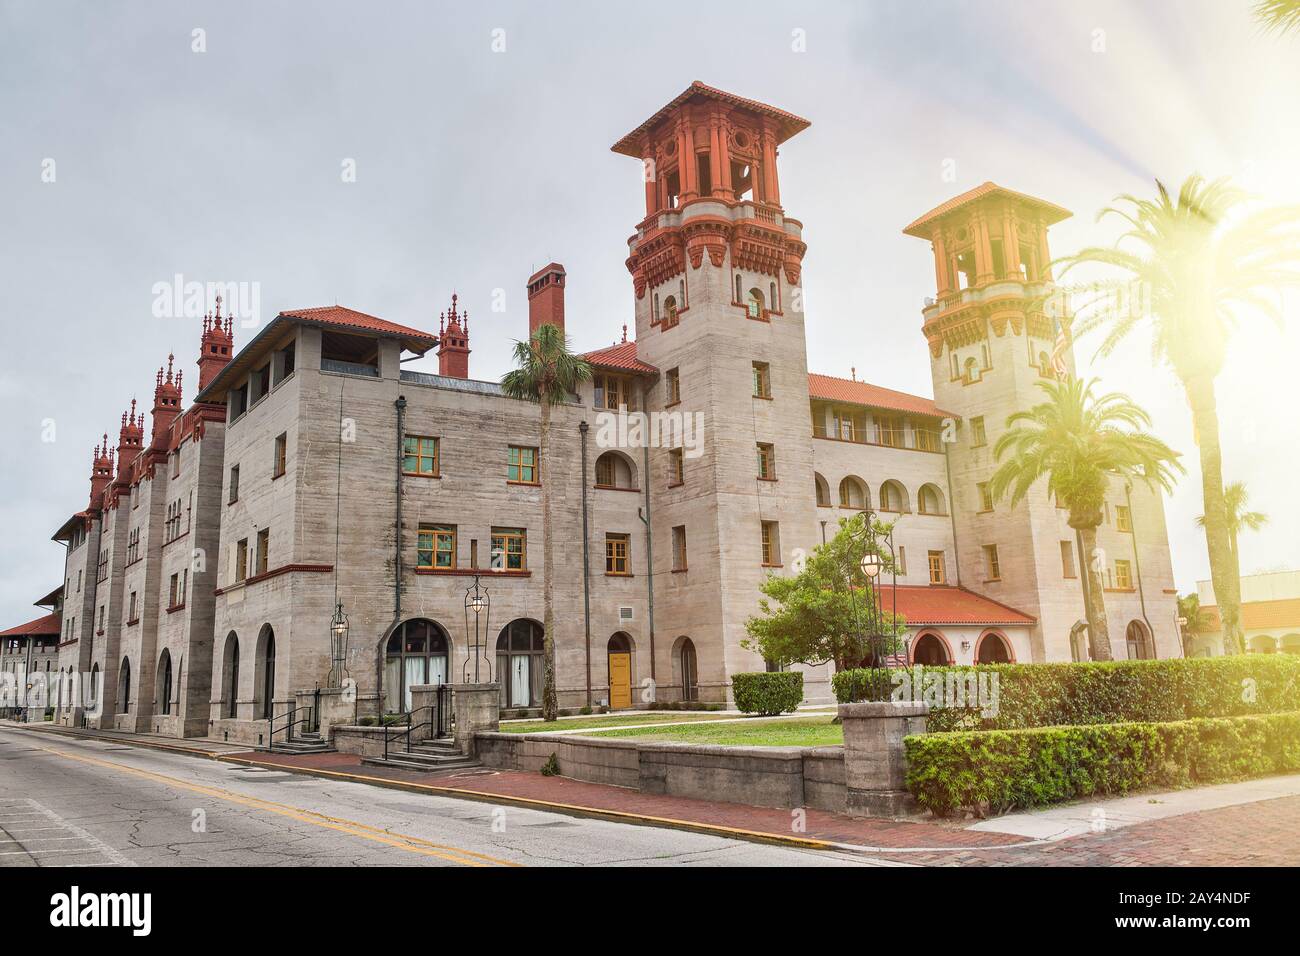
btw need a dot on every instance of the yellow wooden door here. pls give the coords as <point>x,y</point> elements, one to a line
<point>620,681</point>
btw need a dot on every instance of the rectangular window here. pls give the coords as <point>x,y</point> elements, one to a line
<point>762,380</point>
<point>1123,575</point>
<point>676,467</point>
<point>100,627</point>
<point>131,608</point>
<point>672,387</point>
<point>281,449</point>
<point>986,496</point>
<point>176,463</point>
<point>1067,560</point>
<point>902,561</point>
<point>234,484</point>
<point>938,574</point>
<point>1123,518</point>
<point>522,466</point>
<point>771,540</point>
<point>977,435</point>
<point>889,432</point>
<point>679,547</point>
<point>509,549</point>
<point>263,550</point>
<point>436,547</point>
<point>610,391</point>
<point>926,438</point>
<point>420,456</point>
<point>992,569</point>
<point>241,560</point>
<point>766,461</point>
<point>173,589</point>
<point>616,554</point>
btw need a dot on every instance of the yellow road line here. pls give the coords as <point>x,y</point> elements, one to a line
<point>351,827</point>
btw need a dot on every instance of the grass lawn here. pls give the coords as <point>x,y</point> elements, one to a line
<point>608,720</point>
<point>794,732</point>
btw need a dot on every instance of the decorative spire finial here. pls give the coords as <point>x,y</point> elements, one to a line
<point>624,333</point>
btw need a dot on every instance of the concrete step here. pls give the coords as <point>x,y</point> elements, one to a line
<point>299,746</point>
<point>411,761</point>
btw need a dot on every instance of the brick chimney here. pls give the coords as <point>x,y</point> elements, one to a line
<point>101,472</point>
<point>217,346</point>
<point>546,298</point>
<point>129,443</point>
<point>453,343</point>
<point>166,403</point>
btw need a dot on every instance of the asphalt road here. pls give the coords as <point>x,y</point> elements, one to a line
<point>75,802</point>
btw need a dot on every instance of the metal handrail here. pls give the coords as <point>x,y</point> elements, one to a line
<point>434,722</point>
<point>291,714</point>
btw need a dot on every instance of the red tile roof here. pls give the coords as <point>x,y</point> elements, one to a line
<point>1260,615</point>
<point>50,624</point>
<point>833,389</point>
<point>340,317</point>
<point>1054,212</point>
<point>620,356</point>
<point>940,604</point>
<point>787,123</point>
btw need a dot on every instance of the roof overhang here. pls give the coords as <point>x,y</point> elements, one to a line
<point>787,124</point>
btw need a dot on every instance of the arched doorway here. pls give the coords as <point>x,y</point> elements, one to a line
<point>264,674</point>
<point>230,675</point>
<point>519,663</point>
<point>1291,644</point>
<point>1138,639</point>
<point>1079,641</point>
<point>688,669</point>
<point>124,687</point>
<point>417,654</point>
<point>930,648</point>
<point>165,682</point>
<point>993,648</point>
<point>619,658</point>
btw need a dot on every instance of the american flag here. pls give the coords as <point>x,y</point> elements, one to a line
<point>1060,348</point>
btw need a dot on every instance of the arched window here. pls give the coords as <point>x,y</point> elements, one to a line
<point>893,497</point>
<point>670,310</point>
<point>930,648</point>
<point>230,674</point>
<point>1138,639</point>
<point>687,667</point>
<point>264,674</point>
<point>853,493</point>
<point>681,292</point>
<point>619,670</point>
<point>1291,644</point>
<point>165,682</point>
<point>417,654</point>
<point>993,648</point>
<point>823,491</point>
<point>92,699</point>
<point>1079,641</point>
<point>1045,366</point>
<point>755,304</point>
<point>1262,644</point>
<point>929,500</point>
<point>972,370</point>
<point>615,470</point>
<point>124,687</point>
<point>519,663</point>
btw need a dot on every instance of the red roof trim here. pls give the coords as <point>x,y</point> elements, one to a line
<point>50,624</point>
<point>789,123</point>
<point>621,356</point>
<point>832,389</point>
<point>1055,213</point>
<point>922,605</point>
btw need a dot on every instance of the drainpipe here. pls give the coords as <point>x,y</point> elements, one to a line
<point>952,517</point>
<point>1137,566</point>
<point>649,550</point>
<point>400,405</point>
<point>586,558</point>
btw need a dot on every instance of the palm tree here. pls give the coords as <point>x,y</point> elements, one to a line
<point>1279,15</point>
<point>1080,442</point>
<point>548,373</point>
<point>1203,262</point>
<point>1189,609</point>
<point>1235,500</point>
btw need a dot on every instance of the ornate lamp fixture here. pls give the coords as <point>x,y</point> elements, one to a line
<point>338,647</point>
<point>876,629</point>
<point>478,602</point>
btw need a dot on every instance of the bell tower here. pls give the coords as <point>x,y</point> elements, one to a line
<point>994,330</point>
<point>715,266</point>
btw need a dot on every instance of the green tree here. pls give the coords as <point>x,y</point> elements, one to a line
<point>1189,609</point>
<point>1235,500</point>
<point>1203,261</point>
<point>546,372</point>
<point>1279,15</point>
<point>1079,443</point>
<point>819,614</point>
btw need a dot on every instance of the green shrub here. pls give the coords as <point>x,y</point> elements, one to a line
<point>1043,695</point>
<point>767,693</point>
<point>366,722</point>
<point>585,710</point>
<point>1000,770</point>
<point>552,766</point>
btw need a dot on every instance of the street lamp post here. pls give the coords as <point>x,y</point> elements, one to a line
<point>338,648</point>
<point>872,632</point>
<point>479,603</point>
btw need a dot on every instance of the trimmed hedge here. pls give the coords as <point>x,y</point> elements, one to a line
<point>1107,692</point>
<point>767,693</point>
<point>999,770</point>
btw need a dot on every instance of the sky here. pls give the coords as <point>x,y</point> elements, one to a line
<point>384,155</point>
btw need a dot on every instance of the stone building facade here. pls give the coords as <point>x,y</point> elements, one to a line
<point>315,477</point>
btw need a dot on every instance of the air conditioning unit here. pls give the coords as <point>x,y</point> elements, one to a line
<point>625,614</point>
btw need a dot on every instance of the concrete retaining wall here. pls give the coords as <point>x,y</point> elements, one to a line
<point>787,777</point>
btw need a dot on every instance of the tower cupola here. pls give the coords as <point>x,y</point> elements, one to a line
<point>217,346</point>
<point>453,342</point>
<point>166,402</point>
